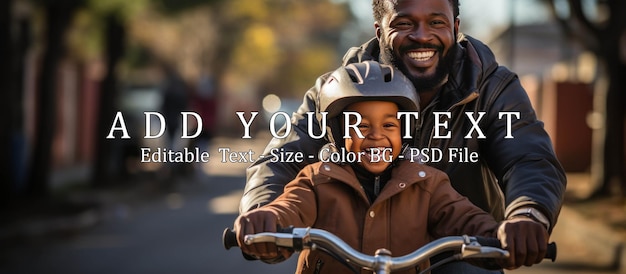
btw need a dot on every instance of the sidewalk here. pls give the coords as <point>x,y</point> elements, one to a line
<point>584,241</point>
<point>79,207</point>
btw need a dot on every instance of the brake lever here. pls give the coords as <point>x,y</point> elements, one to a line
<point>294,238</point>
<point>476,251</point>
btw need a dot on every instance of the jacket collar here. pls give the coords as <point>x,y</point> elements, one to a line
<point>403,175</point>
<point>474,61</point>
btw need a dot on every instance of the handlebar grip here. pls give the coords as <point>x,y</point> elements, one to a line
<point>229,238</point>
<point>551,252</point>
<point>488,241</point>
<point>494,242</point>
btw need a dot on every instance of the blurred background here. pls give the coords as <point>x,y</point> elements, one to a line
<point>73,201</point>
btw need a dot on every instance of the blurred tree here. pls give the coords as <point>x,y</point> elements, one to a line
<point>6,104</point>
<point>115,35</point>
<point>259,42</point>
<point>108,20</point>
<point>15,41</point>
<point>58,16</point>
<point>172,7</point>
<point>284,45</point>
<point>601,26</point>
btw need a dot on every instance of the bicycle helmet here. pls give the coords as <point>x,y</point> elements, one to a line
<point>365,81</point>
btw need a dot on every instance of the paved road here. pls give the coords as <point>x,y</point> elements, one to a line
<point>180,232</point>
<point>174,233</point>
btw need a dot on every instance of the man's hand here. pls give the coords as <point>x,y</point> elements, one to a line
<point>258,221</point>
<point>525,239</point>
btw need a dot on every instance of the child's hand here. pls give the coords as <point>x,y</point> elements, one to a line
<point>525,239</point>
<point>258,221</point>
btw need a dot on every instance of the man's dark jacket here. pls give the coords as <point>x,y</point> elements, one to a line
<point>523,168</point>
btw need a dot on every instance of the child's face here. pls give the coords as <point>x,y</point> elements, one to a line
<point>382,132</point>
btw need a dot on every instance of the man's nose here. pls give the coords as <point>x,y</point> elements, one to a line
<point>421,33</point>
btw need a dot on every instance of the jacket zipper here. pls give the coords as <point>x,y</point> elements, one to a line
<point>377,186</point>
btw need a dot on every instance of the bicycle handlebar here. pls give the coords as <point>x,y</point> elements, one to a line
<point>495,242</point>
<point>302,238</point>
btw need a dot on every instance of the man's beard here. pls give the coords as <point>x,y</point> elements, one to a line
<point>423,83</point>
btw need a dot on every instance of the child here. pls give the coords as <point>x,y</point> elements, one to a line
<point>375,202</point>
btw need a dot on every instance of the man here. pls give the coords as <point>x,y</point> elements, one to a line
<point>516,177</point>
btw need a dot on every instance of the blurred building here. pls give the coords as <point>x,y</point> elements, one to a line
<point>557,74</point>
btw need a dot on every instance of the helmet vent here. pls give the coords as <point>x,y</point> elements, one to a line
<point>353,77</point>
<point>387,73</point>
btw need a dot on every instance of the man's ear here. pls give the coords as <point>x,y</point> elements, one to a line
<point>457,23</point>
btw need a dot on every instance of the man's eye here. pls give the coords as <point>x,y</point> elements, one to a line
<point>403,25</point>
<point>437,22</point>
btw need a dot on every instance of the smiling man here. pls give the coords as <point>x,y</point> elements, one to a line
<point>419,39</point>
<point>516,179</point>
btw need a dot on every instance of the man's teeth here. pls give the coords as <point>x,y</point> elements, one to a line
<point>421,55</point>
